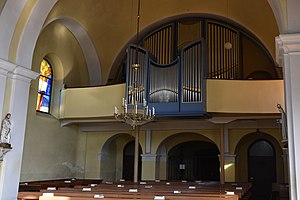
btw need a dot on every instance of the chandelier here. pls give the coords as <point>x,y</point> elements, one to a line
<point>135,113</point>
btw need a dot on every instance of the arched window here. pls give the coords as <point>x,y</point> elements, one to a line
<point>45,86</point>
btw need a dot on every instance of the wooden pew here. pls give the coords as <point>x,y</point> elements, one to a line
<point>202,191</point>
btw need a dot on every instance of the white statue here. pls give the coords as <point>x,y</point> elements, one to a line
<point>5,129</point>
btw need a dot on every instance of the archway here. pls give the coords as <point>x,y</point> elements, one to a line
<point>259,160</point>
<point>194,160</point>
<point>111,157</point>
<point>128,161</point>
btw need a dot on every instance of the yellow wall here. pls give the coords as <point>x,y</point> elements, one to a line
<point>223,96</point>
<point>92,101</point>
<point>244,96</point>
<point>110,38</point>
<point>49,150</point>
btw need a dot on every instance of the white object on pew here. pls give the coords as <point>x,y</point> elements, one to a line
<point>148,186</point>
<point>157,181</point>
<point>73,179</point>
<point>67,181</point>
<point>133,190</point>
<point>48,194</point>
<point>122,180</point>
<point>86,189</point>
<point>25,183</point>
<point>168,183</point>
<point>177,192</point>
<point>192,187</point>
<point>120,186</point>
<point>159,197</point>
<point>51,188</point>
<point>229,192</point>
<point>143,183</point>
<point>199,181</point>
<point>239,188</point>
<point>108,182</point>
<point>98,196</point>
<point>93,185</point>
<point>183,181</point>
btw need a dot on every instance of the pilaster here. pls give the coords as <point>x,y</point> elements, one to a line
<point>288,57</point>
<point>20,79</point>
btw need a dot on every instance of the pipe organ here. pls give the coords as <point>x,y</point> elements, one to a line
<point>175,60</point>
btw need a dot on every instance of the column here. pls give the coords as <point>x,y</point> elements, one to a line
<point>222,155</point>
<point>136,155</point>
<point>288,57</point>
<point>11,166</point>
<point>229,167</point>
<point>148,166</point>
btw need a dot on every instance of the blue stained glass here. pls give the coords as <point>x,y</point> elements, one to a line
<point>45,100</point>
<point>44,87</point>
<point>49,84</point>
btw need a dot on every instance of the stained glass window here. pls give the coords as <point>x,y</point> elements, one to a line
<point>44,88</point>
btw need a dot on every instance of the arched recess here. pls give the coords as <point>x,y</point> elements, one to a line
<point>34,27</point>
<point>87,46</point>
<point>111,157</point>
<point>252,56</point>
<point>241,152</point>
<point>164,148</point>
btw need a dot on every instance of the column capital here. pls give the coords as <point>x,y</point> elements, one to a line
<point>6,67</point>
<point>230,157</point>
<point>285,44</point>
<point>148,157</point>
<point>16,71</point>
<point>23,74</point>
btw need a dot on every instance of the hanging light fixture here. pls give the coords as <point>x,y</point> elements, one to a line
<point>134,112</point>
<point>228,44</point>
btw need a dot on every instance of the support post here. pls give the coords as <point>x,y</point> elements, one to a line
<point>222,155</point>
<point>136,155</point>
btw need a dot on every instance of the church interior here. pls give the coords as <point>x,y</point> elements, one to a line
<point>136,90</point>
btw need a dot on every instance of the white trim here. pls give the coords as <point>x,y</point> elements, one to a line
<point>32,30</point>
<point>9,18</point>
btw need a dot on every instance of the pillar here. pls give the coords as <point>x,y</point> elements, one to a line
<point>288,57</point>
<point>19,79</point>
<point>222,155</point>
<point>229,167</point>
<point>148,167</point>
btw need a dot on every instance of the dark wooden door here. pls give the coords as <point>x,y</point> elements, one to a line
<point>262,169</point>
<point>128,162</point>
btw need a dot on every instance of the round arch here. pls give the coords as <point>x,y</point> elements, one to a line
<point>34,27</point>
<point>251,41</point>
<point>161,171</point>
<point>87,46</point>
<point>111,156</point>
<point>241,151</point>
